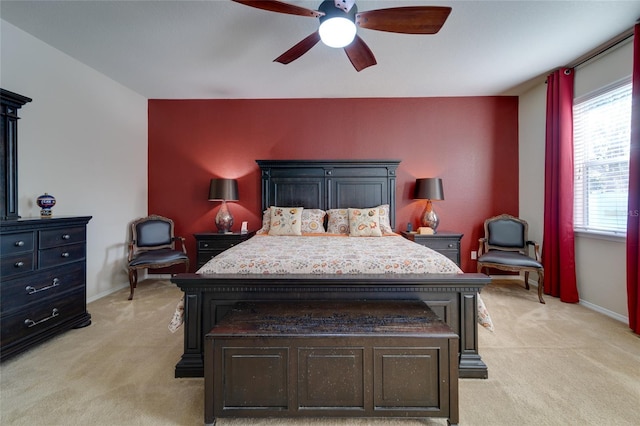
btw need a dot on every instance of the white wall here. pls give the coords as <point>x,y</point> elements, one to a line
<point>600,263</point>
<point>82,139</point>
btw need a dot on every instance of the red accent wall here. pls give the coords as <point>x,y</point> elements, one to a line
<point>470,142</point>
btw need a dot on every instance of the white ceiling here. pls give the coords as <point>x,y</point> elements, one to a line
<point>221,49</point>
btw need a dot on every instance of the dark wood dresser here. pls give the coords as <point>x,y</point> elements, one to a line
<point>43,285</point>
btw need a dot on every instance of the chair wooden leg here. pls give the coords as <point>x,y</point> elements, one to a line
<point>526,280</point>
<point>133,281</point>
<point>540,286</point>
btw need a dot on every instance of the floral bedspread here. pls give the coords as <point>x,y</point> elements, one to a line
<point>329,255</point>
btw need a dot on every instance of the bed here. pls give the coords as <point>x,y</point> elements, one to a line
<point>329,186</point>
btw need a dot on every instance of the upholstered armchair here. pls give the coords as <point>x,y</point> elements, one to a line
<point>505,246</point>
<point>153,245</point>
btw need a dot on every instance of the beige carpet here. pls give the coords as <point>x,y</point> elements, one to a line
<point>553,364</point>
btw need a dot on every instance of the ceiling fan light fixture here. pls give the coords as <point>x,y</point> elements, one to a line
<point>337,32</point>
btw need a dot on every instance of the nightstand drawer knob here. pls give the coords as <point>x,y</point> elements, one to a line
<point>66,236</point>
<point>452,245</point>
<point>19,243</point>
<point>19,264</point>
<point>206,245</point>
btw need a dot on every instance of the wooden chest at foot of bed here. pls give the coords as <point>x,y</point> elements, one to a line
<point>331,359</point>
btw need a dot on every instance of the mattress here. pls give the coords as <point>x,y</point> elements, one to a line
<point>329,254</point>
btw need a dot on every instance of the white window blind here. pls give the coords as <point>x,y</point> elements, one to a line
<point>601,138</point>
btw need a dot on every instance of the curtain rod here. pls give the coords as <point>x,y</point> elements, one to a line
<point>602,48</point>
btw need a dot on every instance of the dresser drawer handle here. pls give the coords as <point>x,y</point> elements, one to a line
<point>205,245</point>
<point>33,290</point>
<point>452,245</point>
<point>65,254</point>
<point>19,243</point>
<point>66,236</point>
<point>19,264</point>
<point>30,323</point>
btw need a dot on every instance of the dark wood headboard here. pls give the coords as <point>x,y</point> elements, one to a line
<point>329,184</point>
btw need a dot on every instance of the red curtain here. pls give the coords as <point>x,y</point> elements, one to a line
<point>633,220</point>
<point>558,250</point>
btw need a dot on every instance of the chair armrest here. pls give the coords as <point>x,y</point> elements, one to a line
<point>481,243</point>
<point>131,246</point>
<point>182,244</point>
<point>536,249</point>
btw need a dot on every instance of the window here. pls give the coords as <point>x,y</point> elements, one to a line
<point>601,138</point>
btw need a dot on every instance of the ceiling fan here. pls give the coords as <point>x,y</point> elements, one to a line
<point>340,17</point>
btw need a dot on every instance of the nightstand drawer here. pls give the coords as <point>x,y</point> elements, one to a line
<point>440,244</point>
<point>446,243</point>
<point>215,245</point>
<point>212,244</point>
<point>451,254</point>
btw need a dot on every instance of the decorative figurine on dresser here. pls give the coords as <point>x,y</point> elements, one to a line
<point>43,259</point>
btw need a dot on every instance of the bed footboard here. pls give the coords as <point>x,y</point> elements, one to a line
<point>209,297</point>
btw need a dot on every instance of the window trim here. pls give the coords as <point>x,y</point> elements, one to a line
<point>617,236</point>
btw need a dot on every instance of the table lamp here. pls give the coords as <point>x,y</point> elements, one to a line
<point>223,190</point>
<point>429,189</point>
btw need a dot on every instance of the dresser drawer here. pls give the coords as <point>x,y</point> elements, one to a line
<point>38,318</point>
<point>62,236</point>
<point>16,243</point>
<point>19,292</point>
<point>16,264</point>
<point>61,255</point>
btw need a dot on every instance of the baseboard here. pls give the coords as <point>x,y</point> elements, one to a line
<point>588,305</point>
<point>107,292</point>
<point>142,277</point>
<point>607,312</point>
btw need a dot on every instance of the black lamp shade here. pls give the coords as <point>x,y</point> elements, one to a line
<point>428,189</point>
<point>223,189</point>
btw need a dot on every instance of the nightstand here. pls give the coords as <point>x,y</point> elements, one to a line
<point>447,243</point>
<point>210,244</point>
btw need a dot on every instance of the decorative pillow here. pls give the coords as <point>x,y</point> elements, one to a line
<point>385,221</point>
<point>484,319</point>
<point>364,222</point>
<point>286,221</point>
<point>338,222</point>
<point>266,222</point>
<point>313,221</point>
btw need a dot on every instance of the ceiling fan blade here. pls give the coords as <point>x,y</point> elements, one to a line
<point>299,49</point>
<point>281,7</point>
<point>406,20</point>
<point>359,54</point>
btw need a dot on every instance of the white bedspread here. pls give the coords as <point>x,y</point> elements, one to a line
<point>326,254</point>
